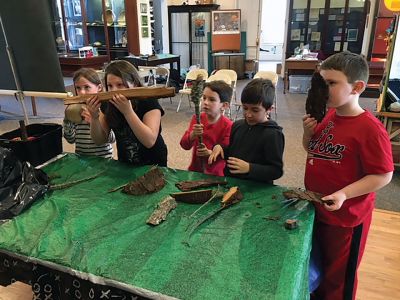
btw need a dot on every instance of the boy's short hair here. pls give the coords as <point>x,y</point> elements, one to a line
<point>353,65</point>
<point>220,87</point>
<point>259,91</point>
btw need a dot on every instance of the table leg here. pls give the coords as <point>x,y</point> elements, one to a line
<point>33,102</point>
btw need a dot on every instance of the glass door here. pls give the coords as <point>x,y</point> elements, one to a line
<point>116,27</point>
<point>298,25</point>
<point>355,22</point>
<point>74,25</point>
<point>180,35</point>
<point>335,29</point>
<point>200,29</point>
<point>315,24</point>
<point>95,25</point>
<point>57,26</point>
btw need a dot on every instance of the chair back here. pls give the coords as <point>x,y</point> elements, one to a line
<point>271,75</point>
<point>192,75</point>
<point>222,77</point>
<point>163,72</point>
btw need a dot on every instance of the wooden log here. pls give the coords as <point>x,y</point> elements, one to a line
<point>162,210</point>
<point>137,93</point>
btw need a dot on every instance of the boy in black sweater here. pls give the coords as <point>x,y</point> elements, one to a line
<point>256,143</point>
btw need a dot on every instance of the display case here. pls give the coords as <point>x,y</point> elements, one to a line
<point>188,30</point>
<point>327,26</point>
<point>110,26</point>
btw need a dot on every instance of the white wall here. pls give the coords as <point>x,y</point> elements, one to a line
<point>145,43</point>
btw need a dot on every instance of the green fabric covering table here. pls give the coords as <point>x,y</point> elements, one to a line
<point>103,237</point>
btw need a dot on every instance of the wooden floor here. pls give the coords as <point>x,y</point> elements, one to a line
<point>379,274</point>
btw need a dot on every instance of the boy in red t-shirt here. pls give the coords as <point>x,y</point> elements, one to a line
<point>215,128</point>
<point>349,158</point>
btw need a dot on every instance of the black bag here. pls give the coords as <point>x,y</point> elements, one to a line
<point>20,184</point>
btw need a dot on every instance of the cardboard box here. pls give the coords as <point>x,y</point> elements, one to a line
<point>44,143</point>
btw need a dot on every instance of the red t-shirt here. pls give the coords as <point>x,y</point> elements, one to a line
<point>217,133</point>
<point>342,151</point>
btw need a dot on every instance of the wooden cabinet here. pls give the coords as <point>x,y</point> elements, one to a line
<point>189,26</point>
<point>327,26</point>
<point>111,26</point>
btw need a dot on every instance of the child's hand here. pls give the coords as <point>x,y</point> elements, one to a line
<point>86,115</point>
<point>238,166</point>
<point>335,202</point>
<point>203,151</point>
<point>93,107</point>
<point>309,125</point>
<point>217,151</point>
<point>197,131</point>
<point>122,104</point>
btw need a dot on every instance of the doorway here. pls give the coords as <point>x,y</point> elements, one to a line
<point>272,34</point>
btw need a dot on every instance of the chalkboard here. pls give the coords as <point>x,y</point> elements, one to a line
<point>27,25</point>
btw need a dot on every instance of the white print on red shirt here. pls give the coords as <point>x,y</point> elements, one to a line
<point>323,148</point>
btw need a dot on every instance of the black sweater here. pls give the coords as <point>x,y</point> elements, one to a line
<point>261,145</point>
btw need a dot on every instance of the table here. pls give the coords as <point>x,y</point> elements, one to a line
<point>391,121</point>
<point>156,60</point>
<point>86,242</point>
<point>293,65</point>
<point>237,65</point>
<point>71,63</point>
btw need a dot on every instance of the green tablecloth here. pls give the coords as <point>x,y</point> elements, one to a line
<point>238,254</point>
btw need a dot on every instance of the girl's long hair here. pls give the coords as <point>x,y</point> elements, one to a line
<point>128,73</point>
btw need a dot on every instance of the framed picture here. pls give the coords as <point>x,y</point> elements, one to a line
<point>295,35</point>
<point>145,32</point>
<point>315,36</point>
<point>352,35</point>
<point>143,8</point>
<point>225,21</point>
<point>76,7</point>
<point>145,20</point>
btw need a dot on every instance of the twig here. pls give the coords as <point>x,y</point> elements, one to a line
<point>216,194</point>
<point>201,221</point>
<point>117,188</point>
<point>72,183</point>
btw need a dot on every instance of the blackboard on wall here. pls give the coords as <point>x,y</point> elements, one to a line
<point>27,25</point>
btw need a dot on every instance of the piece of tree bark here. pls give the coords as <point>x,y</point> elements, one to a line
<point>162,210</point>
<point>189,185</point>
<point>151,182</point>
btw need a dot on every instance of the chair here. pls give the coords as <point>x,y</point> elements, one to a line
<point>233,76</point>
<point>161,74</point>
<point>221,77</point>
<point>190,76</point>
<point>274,79</point>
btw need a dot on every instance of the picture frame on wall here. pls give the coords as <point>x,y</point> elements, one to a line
<point>145,32</point>
<point>352,35</point>
<point>143,8</point>
<point>144,20</point>
<point>76,8</point>
<point>225,21</point>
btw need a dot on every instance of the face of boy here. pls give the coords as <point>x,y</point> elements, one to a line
<point>255,113</point>
<point>115,83</point>
<point>211,103</point>
<point>341,93</point>
<point>84,86</point>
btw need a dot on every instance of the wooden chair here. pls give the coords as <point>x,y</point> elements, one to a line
<point>274,79</point>
<point>186,90</point>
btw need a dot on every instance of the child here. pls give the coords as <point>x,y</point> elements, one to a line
<point>215,128</point>
<point>86,81</point>
<point>349,157</point>
<point>256,143</point>
<point>136,123</point>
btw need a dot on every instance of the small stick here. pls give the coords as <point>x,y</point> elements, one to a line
<point>117,188</point>
<point>72,183</point>
<point>208,201</point>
